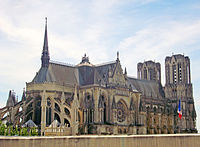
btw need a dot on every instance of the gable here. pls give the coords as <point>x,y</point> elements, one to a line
<point>118,76</point>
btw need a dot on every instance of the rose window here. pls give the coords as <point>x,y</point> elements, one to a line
<point>121,112</point>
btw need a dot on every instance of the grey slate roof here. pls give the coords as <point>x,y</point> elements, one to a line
<point>148,88</point>
<point>58,73</point>
<point>88,75</point>
<point>29,123</point>
<point>66,74</point>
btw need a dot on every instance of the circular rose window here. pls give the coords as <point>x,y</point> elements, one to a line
<point>121,112</point>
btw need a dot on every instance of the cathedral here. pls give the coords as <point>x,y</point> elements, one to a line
<point>103,99</point>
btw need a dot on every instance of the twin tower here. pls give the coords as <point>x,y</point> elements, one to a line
<point>177,85</point>
<point>177,75</point>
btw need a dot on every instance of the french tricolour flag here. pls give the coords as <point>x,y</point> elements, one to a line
<point>179,109</point>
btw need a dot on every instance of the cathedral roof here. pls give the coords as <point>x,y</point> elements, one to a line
<point>58,73</point>
<point>96,74</point>
<point>148,88</point>
<point>67,74</point>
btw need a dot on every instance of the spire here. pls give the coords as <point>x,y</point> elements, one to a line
<point>117,55</point>
<point>114,103</point>
<point>24,95</point>
<point>11,99</point>
<point>125,72</point>
<point>45,53</point>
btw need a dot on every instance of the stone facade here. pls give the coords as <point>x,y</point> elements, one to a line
<point>102,99</point>
<point>178,86</point>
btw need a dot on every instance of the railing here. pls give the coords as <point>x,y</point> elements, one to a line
<point>58,131</point>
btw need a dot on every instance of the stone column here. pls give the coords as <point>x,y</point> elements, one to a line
<point>43,119</point>
<point>74,116</point>
<point>159,123</point>
<point>62,113</point>
<point>114,116</point>
<point>96,112</point>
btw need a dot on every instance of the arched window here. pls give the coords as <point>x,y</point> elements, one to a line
<point>174,74</point>
<point>104,113</point>
<point>89,105</point>
<point>67,112</point>
<point>57,117</point>
<point>154,109</point>
<point>66,122</point>
<point>57,108</point>
<point>145,74</point>
<point>37,118</point>
<point>48,112</point>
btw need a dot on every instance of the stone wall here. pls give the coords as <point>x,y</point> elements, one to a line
<point>175,140</point>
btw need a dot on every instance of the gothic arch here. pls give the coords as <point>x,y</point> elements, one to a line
<point>57,117</point>
<point>123,102</point>
<point>66,122</point>
<point>65,117</point>
<point>88,108</point>
<point>67,112</point>
<point>57,107</point>
<point>66,106</point>
<point>104,94</point>
<point>49,111</point>
<point>103,97</point>
<point>37,110</point>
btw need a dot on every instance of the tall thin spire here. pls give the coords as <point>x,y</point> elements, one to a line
<point>45,53</point>
<point>24,95</point>
<point>117,56</point>
<point>125,71</point>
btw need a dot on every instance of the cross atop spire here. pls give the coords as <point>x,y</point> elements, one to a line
<point>45,53</point>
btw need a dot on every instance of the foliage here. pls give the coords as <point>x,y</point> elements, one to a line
<point>17,130</point>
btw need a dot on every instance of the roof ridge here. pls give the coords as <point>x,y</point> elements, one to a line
<point>105,63</point>
<point>142,80</point>
<point>62,63</point>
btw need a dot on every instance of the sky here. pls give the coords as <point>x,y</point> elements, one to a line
<point>140,30</point>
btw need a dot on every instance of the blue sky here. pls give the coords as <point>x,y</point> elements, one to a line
<point>139,29</point>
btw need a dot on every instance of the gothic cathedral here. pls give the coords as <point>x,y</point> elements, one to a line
<point>103,99</point>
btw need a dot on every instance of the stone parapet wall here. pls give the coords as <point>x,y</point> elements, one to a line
<point>172,140</point>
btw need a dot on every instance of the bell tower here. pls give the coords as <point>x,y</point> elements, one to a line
<point>149,70</point>
<point>178,86</point>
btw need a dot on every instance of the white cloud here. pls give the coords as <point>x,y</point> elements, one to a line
<point>156,42</point>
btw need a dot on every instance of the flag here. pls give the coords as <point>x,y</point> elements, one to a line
<point>179,109</point>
